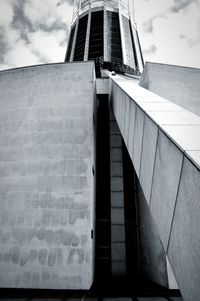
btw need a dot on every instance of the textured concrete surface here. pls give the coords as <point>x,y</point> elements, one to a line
<point>96,299</point>
<point>102,85</point>
<point>118,233</point>
<point>175,118</point>
<point>148,156</point>
<point>184,244</point>
<point>152,299</point>
<point>127,120</point>
<point>174,209</point>
<point>162,107</point>
<point>118,299</point>
<point>186,137</point>
<point>194,156</point>
<point>153,258</point>
<point>131,128</point>
<point>171,278</point>
<point>46,183</point>
<point>165,183</point>
<point>137,146</point>
<point>183,82</point>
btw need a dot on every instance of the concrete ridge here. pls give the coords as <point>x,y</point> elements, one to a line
<point>171,65</point>
<point>119,79</point>
<point>47,64</point>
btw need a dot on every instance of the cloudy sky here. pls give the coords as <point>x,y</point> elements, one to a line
<point>36,31</point>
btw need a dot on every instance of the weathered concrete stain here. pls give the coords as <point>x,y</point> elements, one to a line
<point>46,190</point>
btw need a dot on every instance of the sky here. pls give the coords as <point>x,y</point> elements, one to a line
<point>36,31</point>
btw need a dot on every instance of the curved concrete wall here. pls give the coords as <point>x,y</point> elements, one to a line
<point>46,182</point>
<point>163,141</point>
<point>183,82</point>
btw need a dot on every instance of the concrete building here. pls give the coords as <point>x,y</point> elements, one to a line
<point>105,30</point>
<point>100,170</point>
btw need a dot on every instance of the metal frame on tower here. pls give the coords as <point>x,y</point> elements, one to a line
<point>131,55</point>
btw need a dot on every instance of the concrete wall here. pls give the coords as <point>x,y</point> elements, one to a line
<point>152,254</point>
<point>153,262</point>
<point>46,182</point>
<point>163,141</point>
<point>183,82</point>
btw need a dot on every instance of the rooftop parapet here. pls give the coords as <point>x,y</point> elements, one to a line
<point>125,6</point>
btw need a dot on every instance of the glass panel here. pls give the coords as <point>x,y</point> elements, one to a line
<point>96,35</point>
<point>113,37</point>
<point>80,40</point>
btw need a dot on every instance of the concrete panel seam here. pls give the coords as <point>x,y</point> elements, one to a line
<point>128,122</point>
<point>133,130</point>
<point>141,147</point>
<point>154,166</point>
<point>170,232</point>
<point>134,133</point>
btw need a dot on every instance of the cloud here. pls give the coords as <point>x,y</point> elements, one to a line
<point>181,4</point>
<point>20,22</point>
<point>33,32</point>
<point>148,25</point>
<point>151,50</point>
<point>40,41</point>
<point>173,48</point>
<point>182,36</point>
<point>48,12</point>
<point>20,55</point>
<point>6,13</point>
<point>195,39</point>
<point>2,43</point>
<point>176,36</point>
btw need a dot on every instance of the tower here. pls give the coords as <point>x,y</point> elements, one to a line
<point>105,31</point>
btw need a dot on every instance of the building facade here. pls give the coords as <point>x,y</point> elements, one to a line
<point>105,30</point>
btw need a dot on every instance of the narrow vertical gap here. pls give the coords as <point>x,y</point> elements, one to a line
<point>81,38</point>
<point>130,218</point>
<point>134,49</point>
<point>70,43</point>
<point>103,239</point>
<point>154,166</point>
<point>179,182</point>
<point>140,50</point>
<point>118,257</point>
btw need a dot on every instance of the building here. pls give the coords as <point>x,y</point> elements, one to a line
<point>99,169</point>
<point>105,30</point>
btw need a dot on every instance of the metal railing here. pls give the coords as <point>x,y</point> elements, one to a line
<point>114,65</point>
